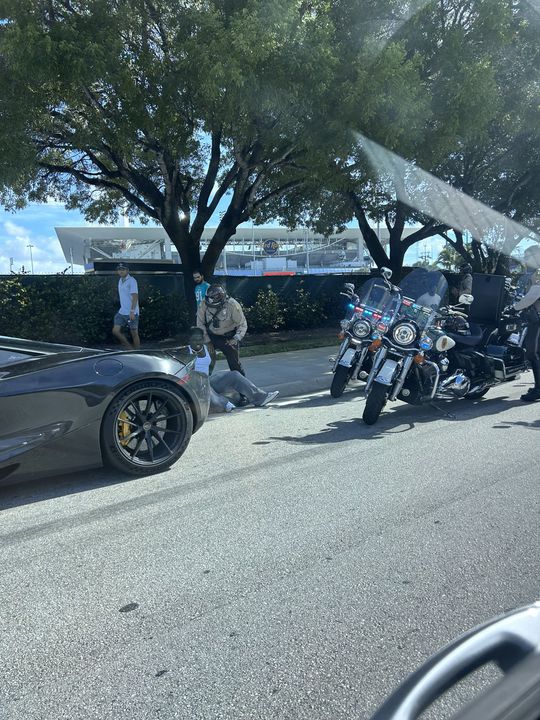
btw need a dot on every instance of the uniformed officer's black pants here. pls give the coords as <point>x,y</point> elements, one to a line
<point>231,351</point>
<point>532,348</point>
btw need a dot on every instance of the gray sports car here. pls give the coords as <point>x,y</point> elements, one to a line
<point>65,408</point>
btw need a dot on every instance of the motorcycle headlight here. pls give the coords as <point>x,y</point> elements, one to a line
<point>404,333</point>
<point>360,329</point>
<point>426,343</point>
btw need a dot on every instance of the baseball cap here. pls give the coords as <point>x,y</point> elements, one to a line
<point>122,266</point>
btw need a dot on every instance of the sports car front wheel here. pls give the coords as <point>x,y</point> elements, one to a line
<point>146,428</point>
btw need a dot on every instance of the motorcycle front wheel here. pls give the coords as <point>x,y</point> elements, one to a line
<point>339,381</point>
<point>376,400</point>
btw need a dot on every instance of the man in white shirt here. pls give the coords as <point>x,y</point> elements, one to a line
<point>225,382</point>
<point>128,314</point>
<point>430,299</point>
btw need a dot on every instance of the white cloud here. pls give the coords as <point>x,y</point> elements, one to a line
<point>15,239</point>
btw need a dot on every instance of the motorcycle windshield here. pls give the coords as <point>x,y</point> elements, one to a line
<point>424,293</point>
<point>378,303</point>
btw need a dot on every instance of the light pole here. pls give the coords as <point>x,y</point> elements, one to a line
<point>30,246</point>
<point>221,216</point>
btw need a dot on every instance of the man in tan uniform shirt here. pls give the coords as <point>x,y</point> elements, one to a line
<point>224,324</point>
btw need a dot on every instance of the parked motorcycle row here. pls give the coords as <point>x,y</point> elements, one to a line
<point>409,343</point>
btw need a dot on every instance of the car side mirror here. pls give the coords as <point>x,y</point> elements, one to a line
<point>386,273</point>
<point>466,299</point>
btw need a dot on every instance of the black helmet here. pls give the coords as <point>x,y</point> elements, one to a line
<point>215,296</point>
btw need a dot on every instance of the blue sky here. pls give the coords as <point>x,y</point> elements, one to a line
<point>35,225</point>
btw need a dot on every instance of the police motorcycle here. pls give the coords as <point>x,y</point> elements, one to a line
<point>371,313</point>
<point>406,364</point>
<point>482,356</point>
<point>433,353</point>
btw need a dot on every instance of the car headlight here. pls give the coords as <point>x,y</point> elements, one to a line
<point>361,329</point>
<point>404,333</point>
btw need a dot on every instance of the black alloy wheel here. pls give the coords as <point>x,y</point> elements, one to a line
<point>146,428</point>
<point>375,402</point>
<point>342,375</point>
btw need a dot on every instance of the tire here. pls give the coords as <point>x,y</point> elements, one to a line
<point>146,428</point>
<point>375,402</point>
<point>341,377</point>
<point>478,394</point>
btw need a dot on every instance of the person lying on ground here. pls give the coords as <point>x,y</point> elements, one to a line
<point>225,383</point>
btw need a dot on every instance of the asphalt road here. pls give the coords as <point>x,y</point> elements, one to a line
<point>294,564</point>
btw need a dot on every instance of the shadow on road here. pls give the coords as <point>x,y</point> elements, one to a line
<point>400,419</point>
<point>32,491</point>
<point>506,425</point>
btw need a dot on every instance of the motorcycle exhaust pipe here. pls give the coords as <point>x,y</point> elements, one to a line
<point>457,385</point>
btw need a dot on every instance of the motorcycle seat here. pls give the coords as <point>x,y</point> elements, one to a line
<point>473,339</point>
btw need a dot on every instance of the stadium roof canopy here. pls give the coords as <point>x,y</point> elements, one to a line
<point>81,245</point>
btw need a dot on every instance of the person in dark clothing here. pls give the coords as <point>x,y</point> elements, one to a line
<point>224,324</point>
<point>351,300</point>
<point>464,286</point>
<point>529,306</point>
<point>465,280</point>
<point>531,261</point>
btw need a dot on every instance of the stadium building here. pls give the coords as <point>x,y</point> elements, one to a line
<point>251,251</point>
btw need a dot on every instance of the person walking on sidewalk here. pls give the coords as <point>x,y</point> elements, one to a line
<point>225,382</point>
<point>128,314</point>
<point>224,324</point>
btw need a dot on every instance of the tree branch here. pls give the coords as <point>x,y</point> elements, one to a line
<point>101,182</point>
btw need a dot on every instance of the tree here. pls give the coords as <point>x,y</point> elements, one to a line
<point>166,108</point>
<point>459,97</point>
<point>449,259</point>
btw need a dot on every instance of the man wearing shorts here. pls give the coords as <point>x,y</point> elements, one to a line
<point>128,314</point>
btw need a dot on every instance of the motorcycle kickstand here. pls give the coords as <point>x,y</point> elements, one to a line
<point>443,411</point>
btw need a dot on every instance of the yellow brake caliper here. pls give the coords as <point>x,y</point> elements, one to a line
<point>124,428</point>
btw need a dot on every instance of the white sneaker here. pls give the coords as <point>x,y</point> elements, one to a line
<point>229,407</point>
<point>271,396</point>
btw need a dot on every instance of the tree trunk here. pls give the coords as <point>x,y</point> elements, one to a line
<point>223,234</point>
<point>370,237</point>
<point>188,250</point>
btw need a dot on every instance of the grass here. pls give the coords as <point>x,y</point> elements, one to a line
<point>285,341</point>
<point>317,339</point>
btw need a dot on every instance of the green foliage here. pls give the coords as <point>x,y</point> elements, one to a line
<point>449,259</point>
<point>303,311</point>
<point>156,104</point>
<point>80,311</point>
<point>266,314</point>
<point>14,304</point>
<point>162,316</point>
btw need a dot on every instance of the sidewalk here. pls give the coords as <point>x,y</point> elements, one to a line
<point>292,373</point>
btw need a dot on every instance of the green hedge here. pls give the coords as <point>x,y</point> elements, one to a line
<point>81,310</point>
